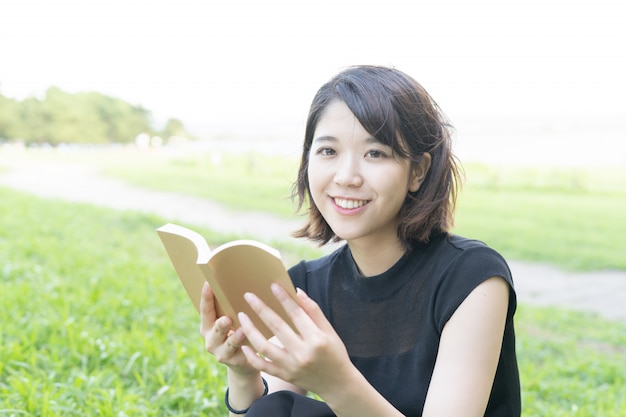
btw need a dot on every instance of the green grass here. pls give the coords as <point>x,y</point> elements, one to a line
<point>575,230</point>
<point>571,364</point>
<point>249,181</point>
<point>568,217</point>
<point>94,322</point>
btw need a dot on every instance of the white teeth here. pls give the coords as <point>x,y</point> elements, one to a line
<point>349,204</point>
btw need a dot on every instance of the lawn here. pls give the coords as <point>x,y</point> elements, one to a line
<point>94,322</point>
<point>575,228</point>
<point>570,217</point>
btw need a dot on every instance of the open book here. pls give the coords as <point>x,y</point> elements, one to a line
<point>231,269</point>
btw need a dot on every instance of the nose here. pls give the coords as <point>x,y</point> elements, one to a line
<point>348,172</point>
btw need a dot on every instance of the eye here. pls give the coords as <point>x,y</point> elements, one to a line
<point>325,151</point>
<point>375,154</point>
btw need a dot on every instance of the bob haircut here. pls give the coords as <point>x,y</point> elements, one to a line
<point>398,112</point>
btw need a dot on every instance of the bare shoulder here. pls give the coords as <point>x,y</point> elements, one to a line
<point>468,352</point>
<point>487,303</point>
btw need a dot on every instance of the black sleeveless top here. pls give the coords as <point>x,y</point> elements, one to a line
<point>391,324</point>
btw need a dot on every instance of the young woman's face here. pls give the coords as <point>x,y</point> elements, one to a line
<point>356,182</point>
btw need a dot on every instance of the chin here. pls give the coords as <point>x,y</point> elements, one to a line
<point>347,237</point>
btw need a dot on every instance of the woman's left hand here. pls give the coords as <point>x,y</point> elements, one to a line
<point>313,358</point>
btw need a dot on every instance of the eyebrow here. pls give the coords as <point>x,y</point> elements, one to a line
<point>326,138</point>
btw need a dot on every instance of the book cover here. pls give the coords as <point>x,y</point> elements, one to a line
<point>231,269</point>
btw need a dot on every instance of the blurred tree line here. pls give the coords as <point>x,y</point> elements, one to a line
<point>81,118</point>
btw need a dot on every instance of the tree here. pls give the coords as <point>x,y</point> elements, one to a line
<point>8,118</point>
<point>174,128</point>
<point>123,121</point>
<point>62,117</point>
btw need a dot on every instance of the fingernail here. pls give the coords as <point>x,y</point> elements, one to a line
<point>251,298</point>
<point>277,289</point>
<point>243,318</point>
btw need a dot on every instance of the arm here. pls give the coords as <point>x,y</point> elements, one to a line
<point>316,359</point>
<point>224,342</point>
<point>468,354</point>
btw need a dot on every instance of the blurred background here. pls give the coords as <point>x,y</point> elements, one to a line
<point>538,81</point>
<point>118,116</point>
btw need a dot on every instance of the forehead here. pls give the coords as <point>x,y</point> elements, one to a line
<point>337,122</point>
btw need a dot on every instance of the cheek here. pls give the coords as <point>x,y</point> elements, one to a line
<point>313,180</point>
<point>314,185</point>
<point>314,175</point>
<point>318,181</point>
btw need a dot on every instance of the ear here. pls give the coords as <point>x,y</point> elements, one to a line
<point>419,172</point>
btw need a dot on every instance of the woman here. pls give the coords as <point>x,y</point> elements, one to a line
<point>405,318</point>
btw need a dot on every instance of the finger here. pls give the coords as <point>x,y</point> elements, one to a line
<point>257,340</point>
<point>233,342</point>
<point>259,363</point>
<point>214,330</point>
<point>299,310</point>
<point>273,321</point>
<point>222,327</point>
<point>226,351</point>
<point>207,309</point>
<point>236,339</point>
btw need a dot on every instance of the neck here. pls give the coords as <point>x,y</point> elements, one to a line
<point>374,258</point>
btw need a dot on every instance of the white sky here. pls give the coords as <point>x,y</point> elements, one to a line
<point>255,65</point>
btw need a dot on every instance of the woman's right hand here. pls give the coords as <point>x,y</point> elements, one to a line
<point>220,338</point>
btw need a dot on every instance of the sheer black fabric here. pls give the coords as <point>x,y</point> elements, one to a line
<point>391,323</point>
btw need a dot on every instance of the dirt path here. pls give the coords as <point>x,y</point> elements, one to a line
<point>599,292</point>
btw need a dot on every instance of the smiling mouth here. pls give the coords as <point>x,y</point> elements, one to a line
<point>349,204</point>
